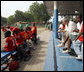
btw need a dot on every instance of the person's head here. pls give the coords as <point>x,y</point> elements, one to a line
<point>2,27</point>
<point>79,18</point>
<point>27,25</point>
<point>7,34</point>
<point>65,21</point>
<point>16,30</point>
<point>8,26</point>
<point>34,24</point>
<point>21,26</point>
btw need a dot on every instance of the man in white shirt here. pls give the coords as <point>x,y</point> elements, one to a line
<point>63,34</point>
<point>69,27</point>
<point>60,33</point>
<point>78,44</point>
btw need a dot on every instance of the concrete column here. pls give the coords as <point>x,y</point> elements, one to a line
<point>55,22</point>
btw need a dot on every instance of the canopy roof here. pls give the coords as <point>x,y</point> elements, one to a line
<point>65,7</point>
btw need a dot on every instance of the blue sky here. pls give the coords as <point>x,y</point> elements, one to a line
<point>9,7</point>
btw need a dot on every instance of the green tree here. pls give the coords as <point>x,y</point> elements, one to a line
<point>39,12</point>
<point>3,20</point>
<point>28,17</point>
<point>43,13</point>
<point>11,19</point>
<point>34,10</point>
<point>19,16</point>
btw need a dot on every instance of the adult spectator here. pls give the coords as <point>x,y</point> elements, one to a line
<point>78,44</point>
<point>61,34</point>
<point>69,27</point>
<point>45,26</point>
<point>34,33</point>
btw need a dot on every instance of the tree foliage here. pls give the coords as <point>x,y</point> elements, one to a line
<point>28,17</point>
<point>19,16</point>
<point>11,19</point>
<point>39,12</point>
<point>36,13</point>
<point>3,20</point>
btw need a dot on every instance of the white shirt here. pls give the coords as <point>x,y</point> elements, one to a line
<point>60,26</point>
<point>79,25</point>
<point>71,26</point>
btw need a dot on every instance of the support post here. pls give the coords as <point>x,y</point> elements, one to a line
<point>55,23</point>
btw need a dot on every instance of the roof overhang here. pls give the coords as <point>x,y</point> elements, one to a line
<point>65,7</point>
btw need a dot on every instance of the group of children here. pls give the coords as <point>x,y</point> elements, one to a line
<point>16,39</point>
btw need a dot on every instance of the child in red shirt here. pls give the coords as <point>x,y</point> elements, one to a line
<point>25,36</point>
<point>3,29</point>
<point>18,36</point>
<point>10,43</point>
<point>20,42</point>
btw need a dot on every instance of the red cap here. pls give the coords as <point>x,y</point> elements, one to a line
<point>17,29</point>
<point>11,28</point>
<point>7,26</point>
<point>2,26</point>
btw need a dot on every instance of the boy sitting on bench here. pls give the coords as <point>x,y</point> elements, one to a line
<point>20,42</point>
<point>10,43</point>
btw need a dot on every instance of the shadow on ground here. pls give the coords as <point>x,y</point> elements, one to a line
<point>36,57</point>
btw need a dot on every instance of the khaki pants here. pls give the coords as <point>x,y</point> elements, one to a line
<point>63,36</point>
<point>68,43</point>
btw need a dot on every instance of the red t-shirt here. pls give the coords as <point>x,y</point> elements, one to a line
<point>29,33</point>
<point>19,39</point>
<point>10,43</point>
<point>4,30</point>
<point>81,38</point>
<point>11,28</point>
<point>24,34</point>
<point>34,29</point>
<point>63,26</point>
<point>29,27</point>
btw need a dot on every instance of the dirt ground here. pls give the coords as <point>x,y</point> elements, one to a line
<point>37,60</point>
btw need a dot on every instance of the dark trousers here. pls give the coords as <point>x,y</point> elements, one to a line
<point>25,44</point>
<point>35,38</point>
<point>21,51</point>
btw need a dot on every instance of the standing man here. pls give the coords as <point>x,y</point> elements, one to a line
<point>34,33</point>
<point>50,26</point>
<point>78,44</point>
<point>45,26</point>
